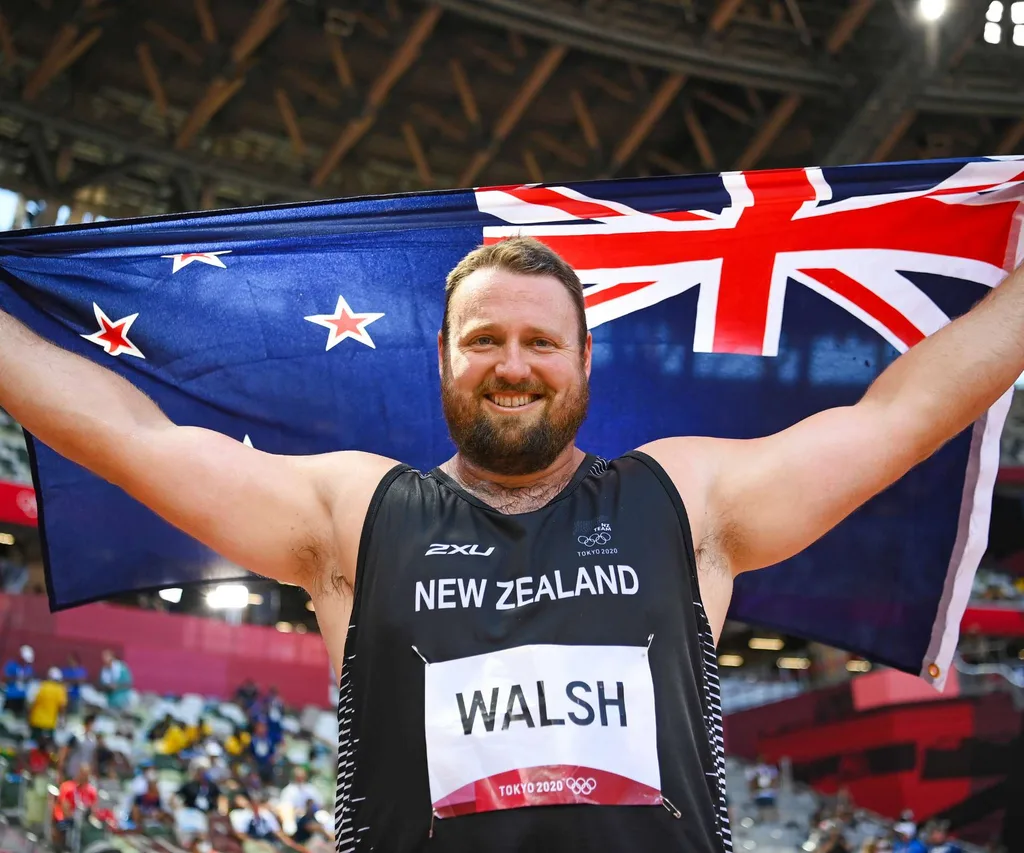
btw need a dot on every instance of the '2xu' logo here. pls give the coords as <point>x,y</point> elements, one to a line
<point>468,550</point>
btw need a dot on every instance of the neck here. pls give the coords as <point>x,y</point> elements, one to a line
<point>515,493</point>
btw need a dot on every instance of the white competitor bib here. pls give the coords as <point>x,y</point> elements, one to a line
<point>541,725</point>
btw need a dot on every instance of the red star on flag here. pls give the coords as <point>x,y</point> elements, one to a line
<point>113,335</point>
<point>344,323</point>
<point>185,258</point>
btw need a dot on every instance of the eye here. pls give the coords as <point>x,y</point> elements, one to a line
<point>482,341</point>
<point>543,343</point>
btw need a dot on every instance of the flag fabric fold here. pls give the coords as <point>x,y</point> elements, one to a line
<point>729,305</point>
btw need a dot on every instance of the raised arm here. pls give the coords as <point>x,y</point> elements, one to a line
<point>280,516</point>
<point>754,503</point>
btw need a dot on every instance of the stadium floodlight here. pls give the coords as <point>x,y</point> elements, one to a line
<point>932,10</point>
<point>1017,12</point>
<point>730,660</point>
<point>1018,35</point>
<point>793,663</point>
<point>767,644</point>
<point>228,596</point>
<point>995,12</point>
<point>171,594</point>
<point>993,33</point>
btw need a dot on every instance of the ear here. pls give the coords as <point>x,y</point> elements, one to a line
<point>440,354</point>
<point>588,349</point>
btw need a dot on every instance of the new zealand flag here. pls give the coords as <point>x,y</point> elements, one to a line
<point>729,305</point>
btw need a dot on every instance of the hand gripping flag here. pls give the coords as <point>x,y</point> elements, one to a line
<point>729,305</point>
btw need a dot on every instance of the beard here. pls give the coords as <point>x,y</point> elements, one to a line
<point>503,444</point>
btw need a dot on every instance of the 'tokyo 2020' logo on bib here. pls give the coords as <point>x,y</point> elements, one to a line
<point>541,725</point>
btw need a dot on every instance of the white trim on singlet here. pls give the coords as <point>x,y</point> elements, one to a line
<point>344,829</point>
<point>713,719</point>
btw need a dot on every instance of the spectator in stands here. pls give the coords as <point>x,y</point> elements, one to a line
<point>17,675</point>
<point>832,839</point>
<point>263,825</point>
<point>763,779</point>
<point>936,836</point>
<point>906,839</point>
<point>294,797</point>
<point>906,826</point>
<point>49,703</point>
<point>77,794</point>
<point>300,790</point>
<point>200,792</point>
<point>75,676</point>
<point>273,713</point>
<point>247,695</point>
<point>148,809</point>
<point>79,750</point>
<point>108,762</point>
<point>308,827</point>
<point>263,751</point>
<point>116,679</point>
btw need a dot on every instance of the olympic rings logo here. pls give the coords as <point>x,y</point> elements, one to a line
<point>594,539</point>
<point>581,787</point>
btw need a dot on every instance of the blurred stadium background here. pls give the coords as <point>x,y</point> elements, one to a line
<point>115,109</point>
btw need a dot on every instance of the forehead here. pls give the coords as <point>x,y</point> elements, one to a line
<point>495,296</point>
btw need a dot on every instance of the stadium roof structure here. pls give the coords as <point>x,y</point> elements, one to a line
<point>129,108</point>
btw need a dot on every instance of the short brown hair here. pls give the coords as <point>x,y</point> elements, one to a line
<point>522,255</point>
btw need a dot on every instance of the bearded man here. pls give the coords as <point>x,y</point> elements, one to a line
<point>526,633</point>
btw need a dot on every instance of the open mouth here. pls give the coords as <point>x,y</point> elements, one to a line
<point>512,401</point>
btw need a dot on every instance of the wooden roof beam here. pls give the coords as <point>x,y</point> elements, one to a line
<point>669,164</point>
<point>152,76</point>
<point>399,63</point>
<point>776,122</point>
<point>305,83</point>
<point>642,127</point>
<point>222,88</point>
<point>893,137</point>
<point>531,86</point>
<point>723,14</point>
<point>217,94</point>
<point>65,49</point>
<point>793,7</point>
<point>190,54</point>
<point>700,138</point>
<point>465,91</point>
<point>610,87</point>
<point>533,170</point>
<point>737,114</point>
<point>264,21</point>
<point>1012,139</point>
<point>291,121</point>
<point>585,121</point>
<point>439,122</point>
<point>207,25</point>
<point>565,153</point>
<point>7,44</point>
<point>848,24</point>
<point>340,62</point>
<point>418,155</point>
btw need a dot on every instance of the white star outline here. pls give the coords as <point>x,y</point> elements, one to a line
<point>335,337</point>
<point>183,259</point>
<point>105,324</point>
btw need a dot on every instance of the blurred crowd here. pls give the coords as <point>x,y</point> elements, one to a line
<point>838,826</point>
<point>91,759</point>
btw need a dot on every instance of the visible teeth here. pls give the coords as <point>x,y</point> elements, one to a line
<point>511,402</point>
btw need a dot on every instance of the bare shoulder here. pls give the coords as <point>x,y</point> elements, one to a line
<point>345,482</point>
<point>691,462</point>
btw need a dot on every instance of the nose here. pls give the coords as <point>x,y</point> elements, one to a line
<point>512,366</point>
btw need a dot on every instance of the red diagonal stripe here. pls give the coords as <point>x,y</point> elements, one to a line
<point>572,206</point>
<point>614,292</point>
<point>869,302</point>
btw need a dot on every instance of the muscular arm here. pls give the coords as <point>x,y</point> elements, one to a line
<point>271,514</point>
<point>761,501</point>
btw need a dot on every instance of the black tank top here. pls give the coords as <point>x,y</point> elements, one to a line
<point>536,682</point>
